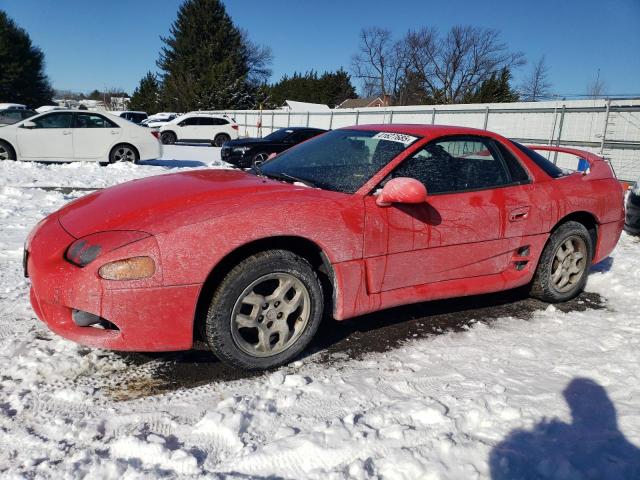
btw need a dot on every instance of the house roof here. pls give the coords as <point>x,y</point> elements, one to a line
<point>359,102</point>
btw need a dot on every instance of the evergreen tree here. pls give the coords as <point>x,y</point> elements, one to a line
<point>22,77</point>
<point>146,96</point>
<point>331,88</point>
<point>336,87</point>
<point>495,89</point>
<point>204,60</point>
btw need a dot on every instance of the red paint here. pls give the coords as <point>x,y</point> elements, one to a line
<point>449,245</point>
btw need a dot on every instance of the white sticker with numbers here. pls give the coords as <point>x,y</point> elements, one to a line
<point>396,137</point>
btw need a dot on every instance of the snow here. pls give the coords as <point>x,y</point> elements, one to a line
<point>553,396</point>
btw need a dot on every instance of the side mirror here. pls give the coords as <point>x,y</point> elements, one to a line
<point>182,124</point>
<point>28,125</point>
<point>402,190</point>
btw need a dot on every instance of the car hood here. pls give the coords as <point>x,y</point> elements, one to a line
<point>161,203</point>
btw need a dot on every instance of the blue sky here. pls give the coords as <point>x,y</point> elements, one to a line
<point>95,44</point>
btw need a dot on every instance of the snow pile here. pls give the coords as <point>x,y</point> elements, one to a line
<point>494,401</point>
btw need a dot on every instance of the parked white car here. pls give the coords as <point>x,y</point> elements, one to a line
<point>158,120</point>
<point>198,127</point>
<point>132,116</point>
<point>76,135</point>
<point>13,106</point>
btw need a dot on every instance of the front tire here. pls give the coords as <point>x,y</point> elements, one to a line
<point>564,264</point>
<point>220,139</point>
<point>259,158</point>
<point>6,152</point>
<point>265,311</point>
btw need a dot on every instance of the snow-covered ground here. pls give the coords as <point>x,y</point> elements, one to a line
<point>553,396</point>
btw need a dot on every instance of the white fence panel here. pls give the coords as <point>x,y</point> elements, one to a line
<point>607,127</point>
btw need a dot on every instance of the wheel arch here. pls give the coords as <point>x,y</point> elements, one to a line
<point>585,218</point>
<point>301,246</point>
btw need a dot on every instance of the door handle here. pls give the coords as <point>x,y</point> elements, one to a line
<point>67,132</point>
<point>114,132</point>
<point>517,214</point>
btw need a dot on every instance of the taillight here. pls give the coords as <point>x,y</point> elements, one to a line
<point>234,126</point>
<point>156,134</point>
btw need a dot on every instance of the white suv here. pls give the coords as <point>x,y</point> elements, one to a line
<point>200,127</point>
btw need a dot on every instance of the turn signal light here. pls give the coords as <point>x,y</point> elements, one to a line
<point>135,268</point>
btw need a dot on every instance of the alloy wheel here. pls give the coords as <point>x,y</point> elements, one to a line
<point>569,264</point>
<point>124,154</point>
<point>270,315</point>
<point>4,153</point>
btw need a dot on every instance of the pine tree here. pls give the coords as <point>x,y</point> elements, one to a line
<point>330,88</point>
<point>495,89</point>
<point>22,77</point>
<point>336,87</point>
<point>204,60</point>
<point>146,96</point>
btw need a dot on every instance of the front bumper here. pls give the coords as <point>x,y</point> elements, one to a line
<point>137,318</point>
<point>238,159</point>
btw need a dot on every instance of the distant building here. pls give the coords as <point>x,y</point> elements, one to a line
<point>371,102</point>
<point>294,106</point>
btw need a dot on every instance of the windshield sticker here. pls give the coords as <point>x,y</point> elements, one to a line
<point>396,137</point>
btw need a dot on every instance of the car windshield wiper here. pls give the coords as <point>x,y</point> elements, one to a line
<point>291,178</point>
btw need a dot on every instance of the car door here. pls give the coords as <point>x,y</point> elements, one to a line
<point>208,127</point>
<point>50,139</point>
<point>470,226</point>
<point>188,129</point>
<point>93,136</point>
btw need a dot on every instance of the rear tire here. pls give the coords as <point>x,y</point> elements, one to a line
<point>265,311</point>
<point>123,153</point>
<point>168,138</point>
<point>6,151</point>
<point>564,265</point>
<point>220,139</point>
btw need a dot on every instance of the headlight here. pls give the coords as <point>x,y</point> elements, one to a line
<point>86,249</point>
<point>135,268</point>
<point>241,150</point>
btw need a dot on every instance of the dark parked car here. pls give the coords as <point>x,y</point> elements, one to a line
<point>10,116</point>
<point>632,217</point>
<point>244,152</point>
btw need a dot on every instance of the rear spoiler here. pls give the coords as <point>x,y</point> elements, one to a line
<point>597,168</point>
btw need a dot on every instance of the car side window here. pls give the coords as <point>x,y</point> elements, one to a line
<point>89,120</point>
<point>208,121</point>
<point>54,120</point>
<point>187,122</point>
<point>219,121</point>
<point>456,165</point>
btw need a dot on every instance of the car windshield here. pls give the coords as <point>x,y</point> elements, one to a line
<point>340,160</point>
<point>279,135</point>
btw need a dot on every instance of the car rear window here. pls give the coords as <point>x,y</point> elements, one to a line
<point>548,167</point>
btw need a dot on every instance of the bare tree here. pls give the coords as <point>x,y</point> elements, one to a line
<point>379,63</point>
<point>536,86</point>
<point>259,59</point>
<point>456,64</point>
<point>597,88</point>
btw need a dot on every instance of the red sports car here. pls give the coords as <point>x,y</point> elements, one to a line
<point>355,220</point>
